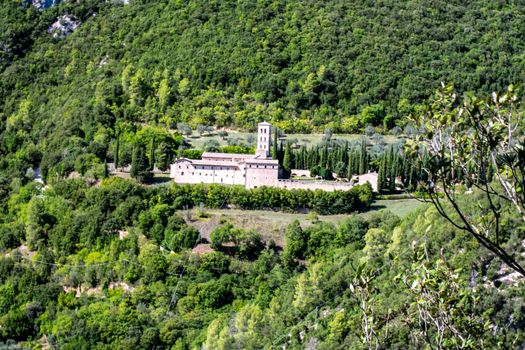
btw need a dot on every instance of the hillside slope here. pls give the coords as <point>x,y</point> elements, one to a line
<point>304,66</point>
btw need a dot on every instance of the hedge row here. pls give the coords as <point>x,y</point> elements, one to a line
<point>217,196</point>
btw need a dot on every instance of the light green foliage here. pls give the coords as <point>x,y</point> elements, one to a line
<point>296,241</point>
<point>119,86</point>
<point>375,243</point>
<point>153,263</point>
<point>254,61</point>
<point>244,296</point>
<point>308,291</point>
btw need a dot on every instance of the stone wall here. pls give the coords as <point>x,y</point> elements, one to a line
<point>328,186</point>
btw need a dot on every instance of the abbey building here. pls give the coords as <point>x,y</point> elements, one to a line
<point>250,170</point>
<point>232,169</point>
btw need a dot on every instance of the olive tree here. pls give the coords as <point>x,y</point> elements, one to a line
<point>479,143</point>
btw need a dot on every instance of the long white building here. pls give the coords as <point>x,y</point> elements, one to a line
<point>248,170</point>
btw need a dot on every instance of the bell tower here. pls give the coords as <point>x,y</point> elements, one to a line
<point>264,137</point>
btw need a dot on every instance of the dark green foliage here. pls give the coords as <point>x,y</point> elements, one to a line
<point>140,167</point>
<point>288,161</point>
<point>216,196</point>
<point>243,243</point>
<point>186,237</point>
<point>215,263</point>
<point>322,172</point>
<point>88,92</point>
<point>352,231</point>
<point>296,242</point>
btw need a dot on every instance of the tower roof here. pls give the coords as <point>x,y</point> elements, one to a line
<point>265,124</point>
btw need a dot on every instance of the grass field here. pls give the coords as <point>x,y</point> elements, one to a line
<point>272,224</point>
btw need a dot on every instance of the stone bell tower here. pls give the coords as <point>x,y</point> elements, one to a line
<point>264,137</point>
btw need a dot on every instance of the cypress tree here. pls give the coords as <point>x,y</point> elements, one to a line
<point>362,161</point>
<point>303,158</point>
<point>350,167</point>
<point>275,149</point>
<point>152,154</point>
<point>391,170</point>
<point>106,170</point>
<point>280,153</point>
<point>287,161</point>
<point>381,174</point>
<point>139,164</point>
<point>117,150</point>
<point>356,159</point>
<point>363,158</point>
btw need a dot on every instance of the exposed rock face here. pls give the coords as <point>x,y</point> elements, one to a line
<point>44,4</point>
<point>63,26</point>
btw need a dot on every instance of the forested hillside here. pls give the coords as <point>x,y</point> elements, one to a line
<point>305,66</point>
<point>91,260</point>
<point>110,267</point>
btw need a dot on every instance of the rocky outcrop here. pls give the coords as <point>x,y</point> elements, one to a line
<point>44,4</point>
<point>63,26</point>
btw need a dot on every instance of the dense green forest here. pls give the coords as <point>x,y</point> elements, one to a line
<point>304,66</point>
<point>79,282</point>
<point>91,260</point>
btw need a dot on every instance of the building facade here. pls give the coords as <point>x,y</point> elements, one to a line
<point>247,170</point>
<point>250,171</point>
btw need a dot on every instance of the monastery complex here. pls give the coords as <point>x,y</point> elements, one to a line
<point>248,170</point>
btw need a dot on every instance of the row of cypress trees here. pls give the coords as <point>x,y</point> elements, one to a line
<point>347,160</point>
